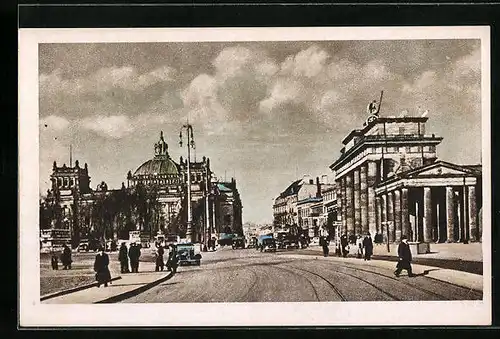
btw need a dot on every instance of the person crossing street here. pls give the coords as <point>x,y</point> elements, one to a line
<point>404,254</point>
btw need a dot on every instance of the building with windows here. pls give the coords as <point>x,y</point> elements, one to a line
<point>301,203</point>
<point>214,205</point>
<point>389,181</point>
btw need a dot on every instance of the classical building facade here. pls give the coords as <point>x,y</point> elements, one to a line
<point>214,205</point>
<point>389,181</point>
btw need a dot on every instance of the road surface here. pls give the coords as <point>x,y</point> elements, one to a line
<point>246,275</point>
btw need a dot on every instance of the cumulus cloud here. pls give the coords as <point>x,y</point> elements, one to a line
<point>114,126</point>
<point>54,122</point>
<point>232,92</point>
<point>308,63</point>
<point>104,79</point>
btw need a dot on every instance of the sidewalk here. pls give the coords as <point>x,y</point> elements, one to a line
<point>130,283</point>
<point>460,257</point>
<point>451,251</point>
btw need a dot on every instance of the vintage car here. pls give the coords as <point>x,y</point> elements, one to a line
<point>252,243</point>
<point>238,242</point>
<point>266,244</point>
<point>187,255</point>
<point>290,241</point>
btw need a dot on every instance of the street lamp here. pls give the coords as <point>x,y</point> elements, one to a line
<point>190,144</point>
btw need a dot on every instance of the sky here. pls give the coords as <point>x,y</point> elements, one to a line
<point>265,113</point>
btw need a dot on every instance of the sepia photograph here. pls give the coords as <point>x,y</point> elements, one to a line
<point>255,176</point>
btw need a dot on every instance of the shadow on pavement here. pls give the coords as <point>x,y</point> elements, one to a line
<point>424,273</point>
<point>134,292</point>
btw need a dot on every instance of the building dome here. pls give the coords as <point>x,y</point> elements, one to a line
<point>158,167</point>
<point>161,164</point>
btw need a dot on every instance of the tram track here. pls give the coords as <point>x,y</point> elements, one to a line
<point>424,290</point>
<point>341,296</point>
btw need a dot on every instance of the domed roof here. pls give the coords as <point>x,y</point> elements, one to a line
<point>161,164</point>
<point>158,166</point>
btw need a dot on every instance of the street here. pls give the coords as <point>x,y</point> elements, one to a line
<point>247,275</point>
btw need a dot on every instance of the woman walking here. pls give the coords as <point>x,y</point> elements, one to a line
<point>102,275</point>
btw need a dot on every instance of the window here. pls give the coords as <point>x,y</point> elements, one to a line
<point>401,130</point>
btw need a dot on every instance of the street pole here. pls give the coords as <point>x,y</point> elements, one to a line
<point>207,212</point>
<point>190,144</point>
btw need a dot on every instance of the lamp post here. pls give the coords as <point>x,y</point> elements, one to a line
<point>190,144</point>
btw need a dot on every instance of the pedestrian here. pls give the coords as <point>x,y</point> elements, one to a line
<point>66,258</point>
<point>359,246</point>
<point>123,258</point>
<point>172,261</point>
<point>404,256</point>
<point>324,245</point>
<point>134,254</point>
<point>159,259</point>
<point>102,274</point>
<point>344,245</point>
<point>54,261</point>
<point>368,246</point>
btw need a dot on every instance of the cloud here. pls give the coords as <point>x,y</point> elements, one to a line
<point>284,91</point>
<point>115,126</point>
<point>54,122</point>
<point>103,80</point>
<point>233,91</point>
<point>308,63</point>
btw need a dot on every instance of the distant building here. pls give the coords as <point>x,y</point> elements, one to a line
<point>301,204</point>
<point>389,181</point>
<point>228,208</point>
<point>214,205</point>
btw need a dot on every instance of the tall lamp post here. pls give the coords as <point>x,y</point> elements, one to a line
<point>190,144</point>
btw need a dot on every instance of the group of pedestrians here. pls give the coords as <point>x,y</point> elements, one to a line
<point>364,246</point>
<point>133,254</point>
<point>65,259</point>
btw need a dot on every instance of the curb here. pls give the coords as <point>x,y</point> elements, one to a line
<point>133,293</point>
<point>72,290</point>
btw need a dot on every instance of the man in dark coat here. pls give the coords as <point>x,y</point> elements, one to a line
<point>123,258</point>
<point>159,258</point>
<point>343,245</point>
<point>172,261</point>
<point>404,254</point>
<point>54,261</point>
<point>134,254</point>
<point>66,258</point>
<point>102,274</point>
<point>324,244</point>
<point>368,246</point>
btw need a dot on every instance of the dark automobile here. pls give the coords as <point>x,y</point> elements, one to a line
<point>238,243</point>
<point>267,245</point>
<point>252,243</point>
<point>187,256</point>
<point>290,241</point>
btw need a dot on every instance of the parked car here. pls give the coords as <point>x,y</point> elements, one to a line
<point>267,244</point>
<point>83,246</point>
<point>187,255</point>
<point>238,242</point>
<point>290,241</point>
<point>252,243</point>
